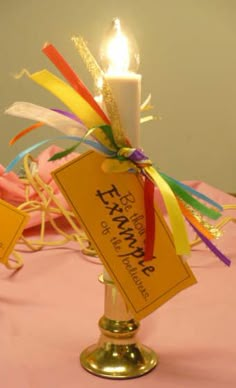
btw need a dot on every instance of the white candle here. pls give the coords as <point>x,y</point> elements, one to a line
<point>121,58</point>
<point>126,89</point>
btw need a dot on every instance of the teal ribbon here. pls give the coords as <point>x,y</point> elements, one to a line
<point>95,145</point>
<point>192,191</point>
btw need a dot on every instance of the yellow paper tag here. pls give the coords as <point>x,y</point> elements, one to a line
<point>12,221</point>
<point>111,209</point>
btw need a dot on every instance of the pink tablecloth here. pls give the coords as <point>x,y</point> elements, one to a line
<point>50,308</point>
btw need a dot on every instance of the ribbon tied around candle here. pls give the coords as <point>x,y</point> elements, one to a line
<point>87,123</point>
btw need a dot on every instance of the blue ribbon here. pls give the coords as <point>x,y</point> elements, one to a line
<point>97,146</point>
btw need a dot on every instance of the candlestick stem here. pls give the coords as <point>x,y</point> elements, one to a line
<point>118,354</point>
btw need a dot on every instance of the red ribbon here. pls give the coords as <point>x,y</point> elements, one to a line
<point>69,74</point>
<point>150,218</point>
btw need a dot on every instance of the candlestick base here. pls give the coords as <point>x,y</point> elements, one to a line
<point>118,354</point>
<point>118,361</point>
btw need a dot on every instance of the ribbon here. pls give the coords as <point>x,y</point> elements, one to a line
<point>93,144</point>
<point>73,101</point>
<point>174,213</point>
<point>192,191</point>
<point>67,114</point>
<point>55,119</point>
<point>149,218</point>
<point>175,206</point>
<point>186,197</point>
<point>126,159</point>
<point>190,217</point>
<point>87,119</point>
<point>107,94</point>
<point>212,247</point>
<point>176,219</point>
<point>24,132</point>
<point>58,60</point>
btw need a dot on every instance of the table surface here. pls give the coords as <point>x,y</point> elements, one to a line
<point>49,311</point>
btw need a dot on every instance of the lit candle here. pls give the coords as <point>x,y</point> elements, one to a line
<point>120,58</point>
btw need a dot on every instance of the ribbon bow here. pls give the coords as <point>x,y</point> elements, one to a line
<point>136,155</point>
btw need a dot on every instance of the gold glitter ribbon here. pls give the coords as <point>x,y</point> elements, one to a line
<point>96,72</point>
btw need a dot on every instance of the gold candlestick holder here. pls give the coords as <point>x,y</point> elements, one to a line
<point>118,354</point>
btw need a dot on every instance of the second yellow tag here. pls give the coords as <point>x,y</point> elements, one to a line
<point>12,223</point>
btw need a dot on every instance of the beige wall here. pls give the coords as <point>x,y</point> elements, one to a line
<point>188,55</point>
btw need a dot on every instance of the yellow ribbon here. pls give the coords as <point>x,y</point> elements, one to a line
<point>176,218</point>
<point>115,165</point>
<point>74,102</point>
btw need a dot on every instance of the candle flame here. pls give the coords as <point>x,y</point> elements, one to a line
<point>119,52</point>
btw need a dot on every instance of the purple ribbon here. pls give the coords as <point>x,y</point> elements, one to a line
<point>67,114</point>
<point>137,155</point>
<point>212,247</point>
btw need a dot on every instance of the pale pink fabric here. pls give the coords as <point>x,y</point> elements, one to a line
<point>12,188</point>
<point>49,311</point>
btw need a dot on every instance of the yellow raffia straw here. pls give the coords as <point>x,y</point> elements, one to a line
<point>146,104</point>
<point>15,261</point>
<point>21,74</point>
<point>148,118</point>
<point>48,205</point>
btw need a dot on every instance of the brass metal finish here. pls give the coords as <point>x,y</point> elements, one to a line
<point>118,354</point>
